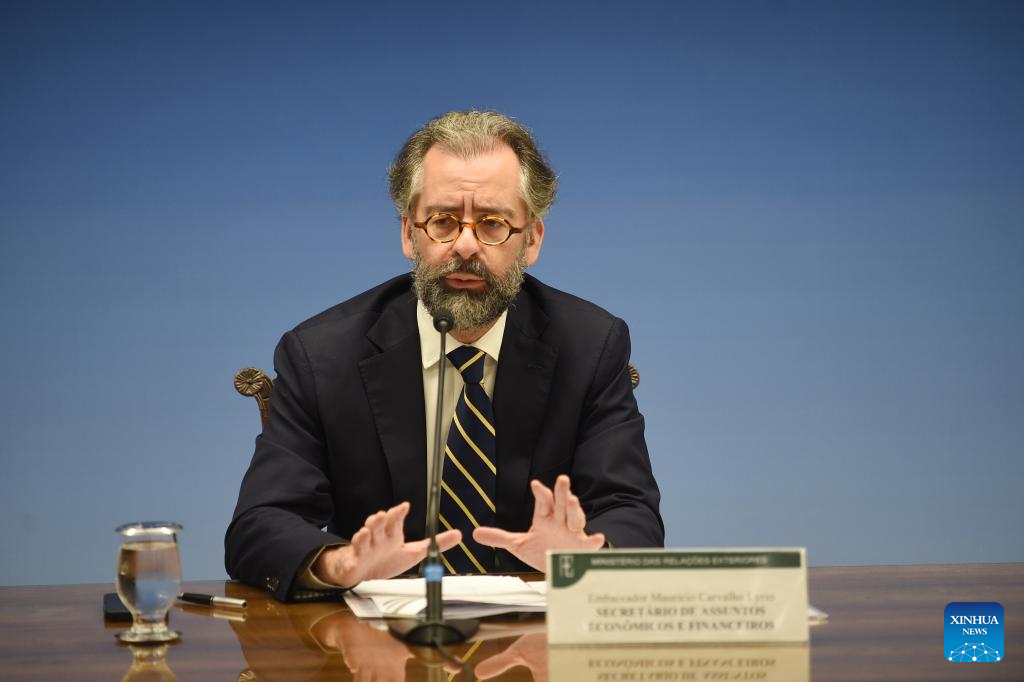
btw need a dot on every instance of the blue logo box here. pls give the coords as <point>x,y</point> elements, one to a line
<point>974,632</point>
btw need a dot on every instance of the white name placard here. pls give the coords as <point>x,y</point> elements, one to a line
<point>628,596</point>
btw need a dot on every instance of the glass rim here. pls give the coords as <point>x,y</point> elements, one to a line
<point>149,528</point>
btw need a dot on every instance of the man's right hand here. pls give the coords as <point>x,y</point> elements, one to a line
<point>378,550</point>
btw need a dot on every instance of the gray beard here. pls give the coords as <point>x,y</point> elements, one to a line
<point>470,309</point>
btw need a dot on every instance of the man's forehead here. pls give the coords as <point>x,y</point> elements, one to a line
<point>492,177</point>
<point>493,163</point>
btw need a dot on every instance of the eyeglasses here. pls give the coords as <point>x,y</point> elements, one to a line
<point>446,227</point>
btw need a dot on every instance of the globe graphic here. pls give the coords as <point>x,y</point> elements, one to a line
<point>974,653</point>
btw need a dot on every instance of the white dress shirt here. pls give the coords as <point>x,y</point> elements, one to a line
<point>430,347</point>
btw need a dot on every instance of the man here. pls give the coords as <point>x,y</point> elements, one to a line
<point>543,442</point>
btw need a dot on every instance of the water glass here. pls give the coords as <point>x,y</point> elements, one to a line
<point>148,578</point>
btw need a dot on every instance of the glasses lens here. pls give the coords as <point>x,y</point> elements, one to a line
<point>443,227</point>
<point>493,230</point>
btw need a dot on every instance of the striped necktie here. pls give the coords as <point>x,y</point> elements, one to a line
<point>469,474</point>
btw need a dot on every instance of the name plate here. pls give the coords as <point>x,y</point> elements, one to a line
<point>627,596</point>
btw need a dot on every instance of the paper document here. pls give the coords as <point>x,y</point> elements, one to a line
<point>465,596</point>
<point>816,616</point>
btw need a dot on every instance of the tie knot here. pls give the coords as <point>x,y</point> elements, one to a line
<point>470,363</point>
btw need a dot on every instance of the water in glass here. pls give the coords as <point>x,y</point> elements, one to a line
<point>148,578</point>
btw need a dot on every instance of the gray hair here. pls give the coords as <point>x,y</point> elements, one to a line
<point>467,134</point>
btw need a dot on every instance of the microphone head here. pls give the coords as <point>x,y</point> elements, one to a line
<point>443,320</point>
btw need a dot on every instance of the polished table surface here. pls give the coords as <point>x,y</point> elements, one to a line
<point>885,623</point>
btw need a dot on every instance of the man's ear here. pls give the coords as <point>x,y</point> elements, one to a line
<point>534,241</point>
<point>408,249</point>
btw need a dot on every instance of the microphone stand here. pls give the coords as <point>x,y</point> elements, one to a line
<point>434,630</point>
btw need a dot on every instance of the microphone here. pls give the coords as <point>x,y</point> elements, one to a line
<point>443,322</point>
<point>434,630</point>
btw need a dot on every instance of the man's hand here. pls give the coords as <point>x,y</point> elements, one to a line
<point>378,550</point>
<point>558,522</point>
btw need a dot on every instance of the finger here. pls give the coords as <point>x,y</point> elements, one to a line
<point>394,519</point>
<point>543,501</point>
<point>495,537</point>
<point>445,541</point>
<point>595,541</point>
<point>374,523</point>
<point>561,497</point>
<point>361,541</point>
<point>376,520</point>
<point>575,519</point>
<point>449,539</point>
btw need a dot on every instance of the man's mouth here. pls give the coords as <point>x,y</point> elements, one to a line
<point>464,280</point>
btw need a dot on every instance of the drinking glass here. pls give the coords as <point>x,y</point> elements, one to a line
<point>148,578</point>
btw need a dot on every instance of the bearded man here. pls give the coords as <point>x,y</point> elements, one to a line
<point>543,442</point>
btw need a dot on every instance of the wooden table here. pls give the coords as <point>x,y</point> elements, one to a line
<point>886,623</point>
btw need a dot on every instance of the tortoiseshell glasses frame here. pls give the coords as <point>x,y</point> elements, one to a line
<point>444,228</point>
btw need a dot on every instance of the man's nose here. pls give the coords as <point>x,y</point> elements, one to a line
<point>466,244</point>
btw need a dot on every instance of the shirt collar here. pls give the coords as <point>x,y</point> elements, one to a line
<point>430,341</point>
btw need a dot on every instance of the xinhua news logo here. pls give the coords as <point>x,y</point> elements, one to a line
<point>974,632</point>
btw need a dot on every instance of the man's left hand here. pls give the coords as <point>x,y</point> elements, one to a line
<point>558,522</point>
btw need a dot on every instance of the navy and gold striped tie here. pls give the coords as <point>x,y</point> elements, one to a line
<point>469,474</point>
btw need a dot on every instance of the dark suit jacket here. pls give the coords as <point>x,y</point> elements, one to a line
<point>345,435</point>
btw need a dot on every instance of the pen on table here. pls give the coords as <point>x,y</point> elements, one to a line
<point>211,600</point>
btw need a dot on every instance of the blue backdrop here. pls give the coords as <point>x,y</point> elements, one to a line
<point>809,214</point>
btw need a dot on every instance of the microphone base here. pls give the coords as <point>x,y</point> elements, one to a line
<point>425,633</point>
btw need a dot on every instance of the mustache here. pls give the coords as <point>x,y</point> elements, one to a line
<point>468,267</point>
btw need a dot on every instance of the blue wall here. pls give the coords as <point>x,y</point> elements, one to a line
<point>809,214</point>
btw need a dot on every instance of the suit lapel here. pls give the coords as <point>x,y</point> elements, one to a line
<point>393,381</point>
<point>525,371</point>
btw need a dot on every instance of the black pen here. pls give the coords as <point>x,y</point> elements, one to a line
<point>211,600</point>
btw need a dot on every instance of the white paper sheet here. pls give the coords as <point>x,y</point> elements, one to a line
<point>465,596</point>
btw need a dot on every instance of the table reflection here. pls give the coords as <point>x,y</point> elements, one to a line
<point>149,664</point>
<point>325,641</point>
<point>682,662</point>
<point>320,641</point>
<point>529,651</point>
